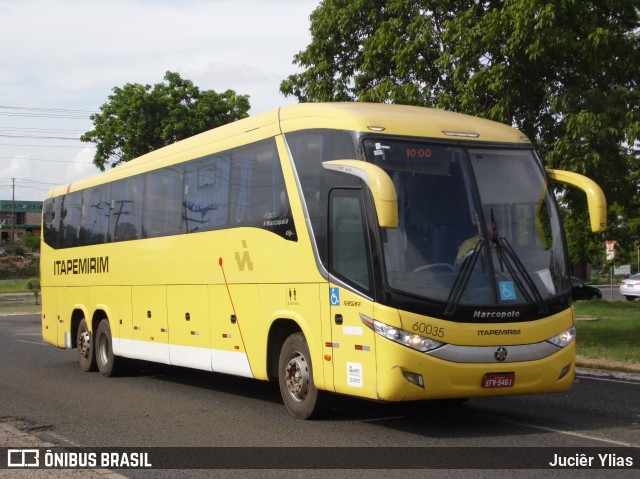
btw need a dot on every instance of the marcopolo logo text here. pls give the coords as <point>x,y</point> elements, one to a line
<point>496,314</point>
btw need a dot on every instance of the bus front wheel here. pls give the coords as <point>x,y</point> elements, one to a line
<point>295,377</point>
<point>85,342</point>
<point>106,361</point>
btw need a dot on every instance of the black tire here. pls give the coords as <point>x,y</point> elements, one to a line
<point>295,377</point>
<point>108,364</point>
<point>85,343</point>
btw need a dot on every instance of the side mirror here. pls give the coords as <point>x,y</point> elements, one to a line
<point>595,197</point>
<point>380,184</point>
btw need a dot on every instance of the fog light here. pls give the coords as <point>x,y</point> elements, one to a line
<point>564,371</point>
<point>414,378</point>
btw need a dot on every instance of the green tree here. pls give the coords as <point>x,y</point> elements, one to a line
<point>139,118</point>
<point>373,50</point>
<point>565,72</point>
<point>34,285</point>
<point>31,241</point>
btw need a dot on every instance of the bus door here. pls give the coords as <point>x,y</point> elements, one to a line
<point>353,352</point>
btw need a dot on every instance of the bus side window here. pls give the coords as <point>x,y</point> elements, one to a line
<point>349,257</point>
<point>163,203</point>
<point>52,221</point>
<point>126,209</point>
<point>71,217</point>
<point>258,189</point>
<point>206,193</point>
<point>241,181</point>
<point>95,215</point>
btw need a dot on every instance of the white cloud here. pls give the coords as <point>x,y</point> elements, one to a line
<point>71,53</point>
<point>82,166</point>
<point>96,45</point>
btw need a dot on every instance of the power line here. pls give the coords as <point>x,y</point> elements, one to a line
<point>36,181</point>
<point>34,137</point>
<point>31,129</point>
<point>45,109</point>
<point>49,146</point>
<point>30,112</point>
<point>39,159</point>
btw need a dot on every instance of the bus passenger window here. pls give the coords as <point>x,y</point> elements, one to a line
<point>51,221</point>
<point>206,193</point>
<point>95,215</point>
<point>126,209</point>
<point>71,216</point>
<point>163,202</point>
<point>258,195</point>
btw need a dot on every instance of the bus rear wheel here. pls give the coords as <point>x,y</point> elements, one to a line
<point>85,342</point>
<point>108,364</point>
<point>295,377</point>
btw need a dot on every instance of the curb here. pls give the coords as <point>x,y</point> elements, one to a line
<point>605,374</point>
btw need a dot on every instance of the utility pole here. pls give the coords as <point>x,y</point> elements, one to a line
<point>13,207</point>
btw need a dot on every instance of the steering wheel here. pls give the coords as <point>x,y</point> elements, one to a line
<point>435,267</point>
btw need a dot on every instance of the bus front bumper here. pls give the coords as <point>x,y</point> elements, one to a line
<point>406,375</point>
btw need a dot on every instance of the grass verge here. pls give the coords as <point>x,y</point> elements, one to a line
<point>14,286</point>
<point>609,334</point>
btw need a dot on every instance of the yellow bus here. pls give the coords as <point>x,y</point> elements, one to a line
<point>381,251</point>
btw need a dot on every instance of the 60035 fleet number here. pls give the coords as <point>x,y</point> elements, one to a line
<point>429,330</point>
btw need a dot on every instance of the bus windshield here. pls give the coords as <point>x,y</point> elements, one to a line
<point>477,226</point>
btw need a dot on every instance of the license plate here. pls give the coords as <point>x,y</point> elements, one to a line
<point>498,380</point>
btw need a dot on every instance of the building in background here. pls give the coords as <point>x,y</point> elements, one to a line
<point>16,217</point>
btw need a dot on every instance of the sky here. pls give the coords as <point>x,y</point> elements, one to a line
<point>60,60</point>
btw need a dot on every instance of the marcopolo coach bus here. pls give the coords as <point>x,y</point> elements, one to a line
<point>381,251</point>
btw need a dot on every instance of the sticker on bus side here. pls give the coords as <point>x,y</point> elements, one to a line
<point>354,374</point>
<point>334,296</point>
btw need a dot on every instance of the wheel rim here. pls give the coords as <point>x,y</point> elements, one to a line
<point>296,376</point>
<point>102,352</point>
<point>84,344</point>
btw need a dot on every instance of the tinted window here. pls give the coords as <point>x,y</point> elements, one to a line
<point>125,217</point>
<point>95,215</point>
<point>51,220</point>
<point>207,193</point>
<point>240,187</point>
<point>162,211</point>
<point>259,196</point>
<point>349,257</point>
<point>70,219</point>
<point>309,148</point>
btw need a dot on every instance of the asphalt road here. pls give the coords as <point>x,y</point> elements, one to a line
<point>611,293</point>
<point>160,406</point>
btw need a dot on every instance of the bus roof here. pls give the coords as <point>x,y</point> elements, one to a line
<point>396,120</point>
<point>383,119</point>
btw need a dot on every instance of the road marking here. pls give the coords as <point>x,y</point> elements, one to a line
<point>31,342</point>
<point>560,431</point>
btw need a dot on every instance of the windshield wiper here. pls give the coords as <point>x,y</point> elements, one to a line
<point>462,279</point>
<point>521,277</point>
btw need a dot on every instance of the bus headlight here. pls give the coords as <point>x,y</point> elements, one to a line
<point>564,338</point>
<point>400,336</point>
